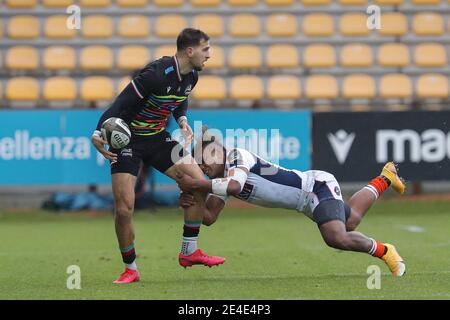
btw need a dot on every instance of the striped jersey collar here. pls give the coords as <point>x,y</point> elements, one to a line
<point>177,68</point>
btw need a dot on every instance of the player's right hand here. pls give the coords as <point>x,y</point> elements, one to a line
<point>186,200</point>
<point>99,144</point>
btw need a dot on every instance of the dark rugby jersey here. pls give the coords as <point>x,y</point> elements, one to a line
<point>157,91</point>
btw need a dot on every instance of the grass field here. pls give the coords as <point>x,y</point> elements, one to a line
<point>271,254</point>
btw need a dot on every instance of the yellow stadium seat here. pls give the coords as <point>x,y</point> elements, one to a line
<point>134,26</point>
<point>283,87</point>
<point>428,24</point>
<point>56,28</point>
<point>353,2</point>
<point>210,88</point>
<point>23,27</point>
<point>60,89</point>
<point>95,3</point>
<point>212,24</point>
<point>96,88</point>
<point>165,50</point>
<point>282,56</point>
<point>358,86</point>
<point>430,55</point>
<point>426,2</point>
<point>353,25</point>
<point>389,2</point>
<point>319,56</point>
<point>168,3</point>
<point>131,3</point>
<point>393,24</point>
<point>432,86</point>
<point>57,3</point>
<point>242,3</point>
<point>321,87</point>
<point>246,87</point>
<point>59,58</point>
<point>279,2</point>
<point>315,2</point>
<point>245,56</point>
<point>123,82</point>
<point>96,58</point>
<point>97,26</point>
<point>1,28</point>
<point>19,4</point>
<point>205,3</point>
<point>281,25</point>
<point>244,25</point>
<point>356,56</point>
<point>217,59</point>
<point>318,25</point>
<point>393,55</point>
<point>395,86</point>
<point>22,58</point>
<point>133,57</point>
<point>169,25</point>
<point>22,89</point>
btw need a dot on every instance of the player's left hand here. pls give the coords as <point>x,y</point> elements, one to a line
<point>186,200</point>
<point>185,182</point>
<point>187,133</point>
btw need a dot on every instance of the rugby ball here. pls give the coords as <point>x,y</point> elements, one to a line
<point>116,132</point>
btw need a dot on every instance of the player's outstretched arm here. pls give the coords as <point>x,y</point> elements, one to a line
<point>230,186</point>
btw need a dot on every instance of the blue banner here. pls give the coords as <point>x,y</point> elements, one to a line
<point>53,147</point>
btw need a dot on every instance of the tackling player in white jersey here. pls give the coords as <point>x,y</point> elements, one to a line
<point>244,175</point>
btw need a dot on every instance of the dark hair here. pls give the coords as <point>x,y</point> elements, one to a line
<point>190,37</point>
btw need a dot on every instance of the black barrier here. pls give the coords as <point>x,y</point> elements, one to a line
<point>354,146</point>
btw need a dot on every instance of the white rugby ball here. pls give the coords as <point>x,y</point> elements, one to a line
<point>116,132</point>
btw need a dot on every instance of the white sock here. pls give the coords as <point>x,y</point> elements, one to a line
<point>132,265</point>
<point>188,245</point>
<point>374,246</point>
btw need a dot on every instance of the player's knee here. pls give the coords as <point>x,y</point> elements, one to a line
<point>351,226</point>
<point>124,210</point>
<point>209,219</point>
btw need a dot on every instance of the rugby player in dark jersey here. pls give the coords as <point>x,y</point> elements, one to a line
<point>159,90</point>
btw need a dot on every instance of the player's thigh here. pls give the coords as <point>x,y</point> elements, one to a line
<point>186,165</point>
<point>123,190</point>
<point>329,210</point>
<point>333,232</point>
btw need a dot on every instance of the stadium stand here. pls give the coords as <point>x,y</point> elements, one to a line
<point>212,24</point>
<point>131,3</point>
<point>59,89</point>
<point>55,28</point>
<point>280,56</point>
<point>210,87</point>
<point>57,3</point>
<point>23,27</point>
<point>59,58</point>
<point>244,56</point>
<point>22,58</point>
<point>261,50</point>
<point>21,3</point>
<point>133,26</point>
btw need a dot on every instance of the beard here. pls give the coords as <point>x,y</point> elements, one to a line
<point>196,68</point>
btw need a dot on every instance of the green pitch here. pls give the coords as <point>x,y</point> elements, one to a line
<point>271,254</point>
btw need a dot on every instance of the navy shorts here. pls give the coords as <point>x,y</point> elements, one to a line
<point>158,151</point>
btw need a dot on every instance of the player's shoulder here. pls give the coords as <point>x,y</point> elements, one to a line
<point>239,157</point>
<point>158,66</point>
